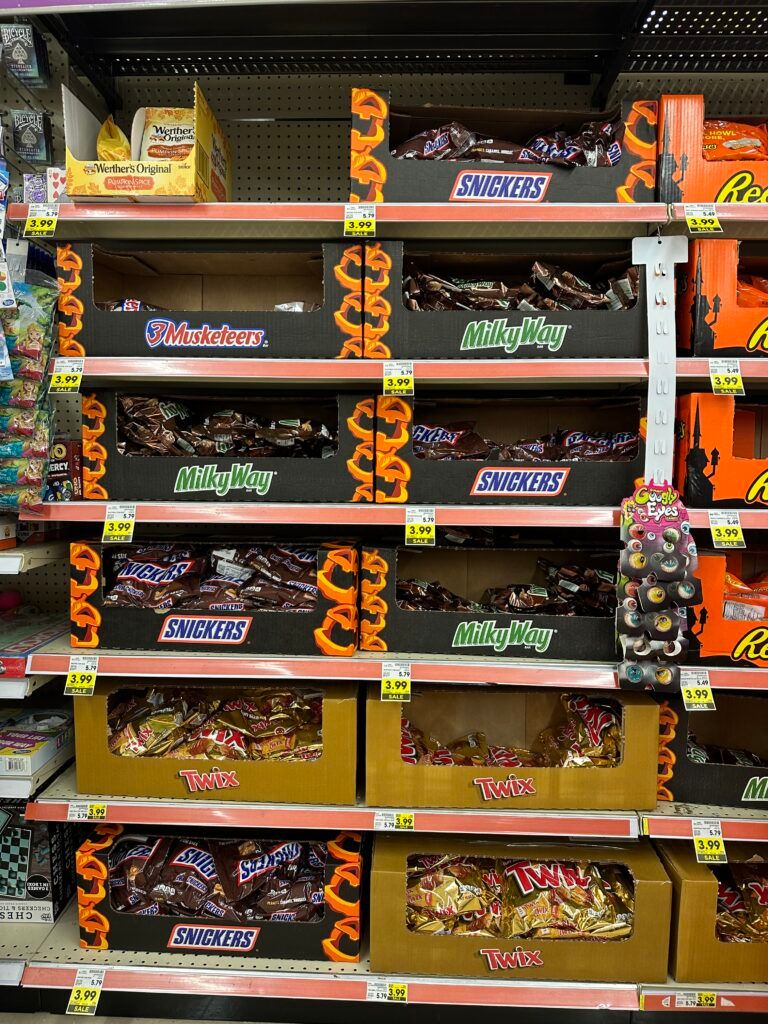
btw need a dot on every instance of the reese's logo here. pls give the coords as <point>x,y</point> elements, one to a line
<point>757,492</point>
<point>741,188</point>
<point>753,646</point>
<point>758,339</point>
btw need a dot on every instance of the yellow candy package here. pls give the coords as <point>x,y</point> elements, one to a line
<point>112,143</point>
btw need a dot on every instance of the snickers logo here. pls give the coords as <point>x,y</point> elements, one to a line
<point>548,480</point>
<point>200,860</point>
<point>184,936</point>
<point>148,572</point>
<point>204,629</point>
<point>170,334</point>
<point>250,868</point>
<point>500,186</point>
<point>507,961</point>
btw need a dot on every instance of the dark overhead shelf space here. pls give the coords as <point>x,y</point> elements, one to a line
<point>592,40</point>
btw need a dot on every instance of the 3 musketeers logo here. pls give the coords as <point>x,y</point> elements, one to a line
<point>173,334</point>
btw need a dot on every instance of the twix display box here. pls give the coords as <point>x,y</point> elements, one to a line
<point>687,176</point>
<point>178,155</point>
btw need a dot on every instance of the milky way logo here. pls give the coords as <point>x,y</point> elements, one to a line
<point>756,788</point>
<point>501,186</point>
<point>173,334</point>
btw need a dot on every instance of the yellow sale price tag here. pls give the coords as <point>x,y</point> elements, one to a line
<point>727,384</point>
<point>706,999</point>
<point>118,523</point>
<point>398,377</point>
<point>726,529</point>
<point>702,218</point>
<point>395,689</point>
<point>420,533</point>
<point>96,812</point>
<point>397,991</point>
<point>41,220</point>
<point>710,850</point>
<point>405,820</point>
<point>359,220</point>
<point>698,698</point>
<point>81,675</point>
<point>66,379</point>
<point>84,997</point>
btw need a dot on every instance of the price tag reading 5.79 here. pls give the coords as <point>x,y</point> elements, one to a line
<point>119,521</point>
<point>420,525</point>
<point>359,220</point>
<point>396,680</point>
<point>398,378</point>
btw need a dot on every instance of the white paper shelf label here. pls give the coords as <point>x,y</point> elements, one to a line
<point>726,530</point>
<point>394,821</point>
<point>82,810</point>
<point>702,218</point>
<point>379,990</point>
<point>81,675</point>
<point>84,997</point>
<point>420,529</point>
<point>359,220</point>
<point>725,377</point>
<point>119,520</point>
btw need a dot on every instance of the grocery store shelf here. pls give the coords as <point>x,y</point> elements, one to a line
<point>19,942</point>
<point>728,997</point>
<point>53,804</point>
<point>750,518</point>
<point>738,220</point>
<point>697,370</point>
<point>18,689</point>
<point>56,962</point>
<point>675,821</point>
<point>325,220</point>
<point>20,787</point>
<point>31,556</point>
<point>319,372</point>
<point>55,657</point>
<point>328,514</point>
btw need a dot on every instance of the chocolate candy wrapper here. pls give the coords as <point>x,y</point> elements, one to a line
<point>159,576</point>
<point>417,595</point>
<point>451,442</point>
<point>244,867</point>
<point>742,902</point>
<point>710,753</point>
<point>459,896</point>
<point>449,142</point>
<point>187,879</point>
<point>129,306</point>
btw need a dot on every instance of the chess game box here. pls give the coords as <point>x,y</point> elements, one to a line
<point>37,875</point>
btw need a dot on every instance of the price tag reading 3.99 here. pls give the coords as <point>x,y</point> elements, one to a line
<point>420,525</point>
<point>84,997</point>
<point>359,220</point>
<point>81,675</point>
<point>41,220</point>
<point>398,378</point>
<point>698,698</point>
<point>725,377</point>
<point>702,219</point>
<point>66,377</point>
<point>708,841</point>
<point>119,521</point>
<point>726,530</point>
<point>396,680</point>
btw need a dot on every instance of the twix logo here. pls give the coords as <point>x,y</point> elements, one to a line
<point>760,891</point>
<point>741,188</point>
<point>502,789</point>
<point>499,960</point>
<point>530,877</point>
<point>753,646</point>
<point>758,339</point>
<point>217,778</point>
<point>758,489</point>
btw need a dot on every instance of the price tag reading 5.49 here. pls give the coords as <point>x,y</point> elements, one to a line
<point>702,218</point>
<point>118,523</point>
<point>726,530</point>
<point>725,377</point>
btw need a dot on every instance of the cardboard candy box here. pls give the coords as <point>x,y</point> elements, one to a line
<point>739,726</point>
<point>376,176</point>
<point>402,476</point>
<point>392,331</point>
<point>685,176</point>
<point>638,957</point>
<point>711,321</point>
<point>334,934</point>
<point>387,627</point>
<point>698,954</point>
<point>514,719</point>
<point>721,457</point>
<point>344,475</point>
<point>326,775</point>
<point>330,628</point>
<point>214,302</point>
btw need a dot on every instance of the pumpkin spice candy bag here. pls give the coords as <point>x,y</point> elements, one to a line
<point>730,140</point>
<point>169,133</point>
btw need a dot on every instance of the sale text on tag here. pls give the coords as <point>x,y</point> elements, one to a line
<point>420,525</point>
<point>701,218</point>
<point>119,521</point>
<point>398,377</point>
<point>66,377</point>
<point>396,680</point>
<point>697,698</point>
<point>394,821</point>
<point>82,810</point>
<point>359,220</point>
<point>84,997</point>
<point>708,841</point>
<point>725,377</point>
<point>726,530</point>
<point>41,220</point>
<point>381,991</point>
<point>81,675</point>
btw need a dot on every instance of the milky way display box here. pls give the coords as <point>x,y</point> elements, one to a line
<point>711,321</point>
<point>222,925</point>
<point>721,454</point>
<point>234,301</point>
<point>386,626</point>
<point>715,757</point>
<point>545,875</point>
<point>377,176</point>
<point>393,331</point>
<point>329,627</point>
<point>336,464</point>
<point>685,176</point>
<point>494,476</point>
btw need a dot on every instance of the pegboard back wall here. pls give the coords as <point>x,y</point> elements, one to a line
<point>47,588</point>
<point>304,155</point>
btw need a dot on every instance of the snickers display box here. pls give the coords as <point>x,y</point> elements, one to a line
<point>236,301</point>
<point>686,176</point>
<point>202,598</point>
<point>269,743</point>
<point>715,911</point>
<point>37,860</point>
<point>264,896</point>
<point>721,455</point>
<point>617,902</point>
<point>450,303</point>
<point>203,175</point>
<point>144,446</point>
<point>730,626</point>
<point>495,162</point>
<point>507,451</point>
<point>512,750</point>
<point>711,320</point>
<point>715,757</point>
<point>488,602</point>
